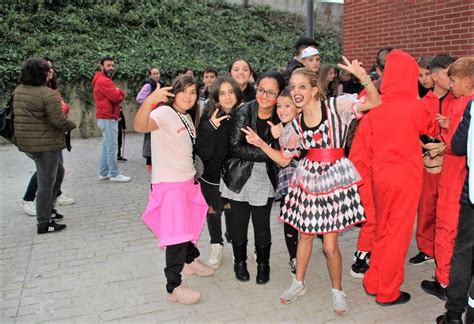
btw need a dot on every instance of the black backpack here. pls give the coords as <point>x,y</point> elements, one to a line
<point>7,130</point>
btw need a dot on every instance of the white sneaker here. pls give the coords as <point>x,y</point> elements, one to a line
<point>29,207</point>
<point>120,178</point>
<point>101,177</point>
<point>216,255</point>
<point>339,300</point>
<point>63,200</point>
<point>297,288</point>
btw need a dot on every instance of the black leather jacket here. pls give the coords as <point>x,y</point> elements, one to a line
<point>238,167</point>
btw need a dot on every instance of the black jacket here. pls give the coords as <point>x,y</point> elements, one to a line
<point>459,147</point>
<point>238,167</point>
<point>293,64</point>
<point>212,147</point>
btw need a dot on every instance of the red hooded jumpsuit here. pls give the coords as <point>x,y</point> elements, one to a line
<point>450,186</point>
<point>397,173</point>
<point>425,228</point>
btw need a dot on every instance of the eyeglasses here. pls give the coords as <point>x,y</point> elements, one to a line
<point>269,93</point>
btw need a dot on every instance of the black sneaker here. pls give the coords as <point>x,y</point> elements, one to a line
<point>443,319</point>
<point>421,258</point>
<point>434,288</point>
<point>50,227</point>
<point>404,298</point>
<point>359,268</point>
<point>121,158</point>
<point>55,215</point>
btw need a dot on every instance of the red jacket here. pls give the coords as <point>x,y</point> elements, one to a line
<point>400,120</point>
<point>432,103</point>
<point>107,97</point>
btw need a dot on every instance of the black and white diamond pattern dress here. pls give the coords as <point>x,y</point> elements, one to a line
<point>323,196</point>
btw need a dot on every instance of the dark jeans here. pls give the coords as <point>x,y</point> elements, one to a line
<point>50,174</point>
<point>30,193</point>
<point>241,212</point>
<point>176,256</point>
<point>461,264</point>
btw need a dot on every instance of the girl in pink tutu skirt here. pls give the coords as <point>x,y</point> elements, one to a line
<point>176,210</point>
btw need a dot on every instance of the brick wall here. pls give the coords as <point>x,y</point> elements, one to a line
<point>420,27</point>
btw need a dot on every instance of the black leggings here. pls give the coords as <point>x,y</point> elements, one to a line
<point>291,236</point>
<point>176,256</point>
<point>241,212</point>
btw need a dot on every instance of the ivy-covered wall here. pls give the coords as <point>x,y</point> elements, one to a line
<point>169,34</point>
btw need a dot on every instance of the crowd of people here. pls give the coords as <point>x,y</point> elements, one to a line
<point>333,146</point>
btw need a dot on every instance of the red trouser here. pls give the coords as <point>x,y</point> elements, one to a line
<point>367,231</point>
<point>361,156</point>
<point>396,200</point>
<point>425,228</point>
<point>447,213</point>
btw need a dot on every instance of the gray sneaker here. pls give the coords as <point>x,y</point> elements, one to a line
<point>339,300</point>
<point>297,288</point>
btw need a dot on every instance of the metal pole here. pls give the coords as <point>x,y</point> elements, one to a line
<point>309,18</point>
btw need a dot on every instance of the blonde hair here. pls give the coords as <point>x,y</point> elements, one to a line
<point>463,67</point>
<point>313,81</point>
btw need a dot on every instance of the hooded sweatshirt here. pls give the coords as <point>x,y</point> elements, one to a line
<point>107,97</point>
<point>400,120</point>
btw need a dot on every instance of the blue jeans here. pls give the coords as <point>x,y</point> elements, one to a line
<point>108,157</point>
<point>50,174</point>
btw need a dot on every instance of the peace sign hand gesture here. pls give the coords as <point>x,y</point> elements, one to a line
<point>354,67</point>
<point>216,121</point>
<point>252,137</point>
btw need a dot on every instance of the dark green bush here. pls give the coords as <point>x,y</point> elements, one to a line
<point>167,33</point>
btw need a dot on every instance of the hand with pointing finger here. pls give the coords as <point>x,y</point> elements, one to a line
<point>275,129</point>
<point>216,121</point>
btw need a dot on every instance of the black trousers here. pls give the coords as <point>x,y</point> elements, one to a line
<point>461,264</point>
<point>176,256</point>
<point>241,213</point>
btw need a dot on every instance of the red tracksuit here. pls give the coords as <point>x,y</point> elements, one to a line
<point>397,172</point>
<point>361,156</point>
<point>425,229</point>
<point>449,193</point>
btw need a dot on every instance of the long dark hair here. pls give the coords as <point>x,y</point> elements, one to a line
<point>34,72</point>
<point>213,102</point>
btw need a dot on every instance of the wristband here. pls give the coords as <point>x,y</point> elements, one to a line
<point>368,80</point>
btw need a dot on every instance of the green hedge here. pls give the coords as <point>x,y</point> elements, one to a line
<point>169,34</point>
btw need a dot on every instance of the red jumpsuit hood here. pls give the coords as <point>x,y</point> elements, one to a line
<point>400,76</point>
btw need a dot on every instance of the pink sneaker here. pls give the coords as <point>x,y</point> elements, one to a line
<point>184,295</point>
<point>197,268</point>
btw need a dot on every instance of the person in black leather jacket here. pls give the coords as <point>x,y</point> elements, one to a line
<point>250,176</point>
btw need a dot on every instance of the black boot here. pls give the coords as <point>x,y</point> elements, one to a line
<point>240,261</point>
<point>228,215</point>
<point>263,263</point>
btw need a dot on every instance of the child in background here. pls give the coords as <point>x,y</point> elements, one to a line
<point>311,58</point>
<point>425,81</point>
<point>176,210</point>
<point>329,81</point>
<point>437,102</point>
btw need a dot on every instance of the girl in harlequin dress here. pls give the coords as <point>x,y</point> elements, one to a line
<point>323,196</point>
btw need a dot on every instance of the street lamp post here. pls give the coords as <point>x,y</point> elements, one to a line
<point>309,18</point>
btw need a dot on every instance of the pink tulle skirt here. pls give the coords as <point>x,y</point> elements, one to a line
<point>176,212</point>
